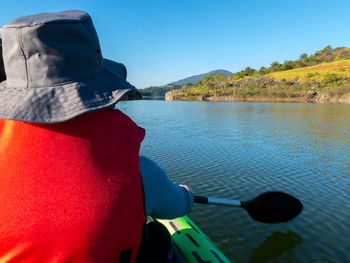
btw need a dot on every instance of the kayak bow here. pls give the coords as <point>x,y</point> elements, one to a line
<point>191,242</point>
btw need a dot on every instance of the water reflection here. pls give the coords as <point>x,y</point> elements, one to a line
<point>274,246</point>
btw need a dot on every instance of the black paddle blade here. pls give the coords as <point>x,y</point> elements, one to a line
<point>273,207</point>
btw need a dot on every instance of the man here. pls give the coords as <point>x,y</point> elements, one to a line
<point>70,185</point>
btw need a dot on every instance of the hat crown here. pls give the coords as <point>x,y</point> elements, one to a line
<point>69,16</point>
<point>55,70</point>
<point>51,49</point>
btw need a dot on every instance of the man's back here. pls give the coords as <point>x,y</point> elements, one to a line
<point>70,192</point>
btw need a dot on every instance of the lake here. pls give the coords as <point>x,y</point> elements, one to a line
<point>239,150</point>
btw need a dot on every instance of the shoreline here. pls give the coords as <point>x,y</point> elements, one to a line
<point>320,99</point>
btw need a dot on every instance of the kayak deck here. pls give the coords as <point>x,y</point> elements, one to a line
<point>191,242</point>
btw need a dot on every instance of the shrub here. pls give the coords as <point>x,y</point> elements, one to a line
<point>235,76</point>
<point>303,56</point>
<point>275,66</point>
<point>288,65</point>
<point>344,53</point>
<point>330,78</point>
<point>263,71</point>
<point>310,75</point>
<point>227,85</point>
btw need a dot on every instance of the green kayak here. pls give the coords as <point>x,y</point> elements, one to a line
<point>192,245</point>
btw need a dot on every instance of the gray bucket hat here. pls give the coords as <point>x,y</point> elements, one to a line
<point>55,69</point>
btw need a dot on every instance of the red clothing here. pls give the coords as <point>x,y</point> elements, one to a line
<point>70,192</point>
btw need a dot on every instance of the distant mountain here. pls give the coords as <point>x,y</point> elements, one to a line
<point>196,78</point>
<point>159,91</point>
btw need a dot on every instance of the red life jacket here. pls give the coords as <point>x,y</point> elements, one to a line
<point>71,192</point>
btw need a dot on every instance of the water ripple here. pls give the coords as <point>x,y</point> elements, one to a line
<point>238,150</point>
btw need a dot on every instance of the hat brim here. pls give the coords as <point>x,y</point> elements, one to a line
<point>61,103</point>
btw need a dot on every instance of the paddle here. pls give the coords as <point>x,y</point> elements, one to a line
<point>269,207</point>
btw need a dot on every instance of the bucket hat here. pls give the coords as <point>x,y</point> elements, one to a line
<point>55,69</point>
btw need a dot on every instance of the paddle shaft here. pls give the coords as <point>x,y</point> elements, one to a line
<point>269,207</point>
<point>217,201</point>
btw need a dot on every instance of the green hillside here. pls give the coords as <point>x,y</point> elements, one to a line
<point>159,91</point>
<point>322,77</point>
<point>196,78</point>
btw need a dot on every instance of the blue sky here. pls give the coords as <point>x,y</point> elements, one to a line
<point>161,41</point>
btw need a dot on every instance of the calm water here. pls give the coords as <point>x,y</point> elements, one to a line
<point>239,150</point>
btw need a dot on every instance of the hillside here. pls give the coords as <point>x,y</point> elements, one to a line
<point>196,78</point>
<point>159,91</point>
<point>322,78</point>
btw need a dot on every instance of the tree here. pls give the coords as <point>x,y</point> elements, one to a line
<point>321,52</point>
<point>263,71</point>
<point>275,66</point>
<point>234,76</point>
<point>288,65</point>
<point>249,71</point>
<point>303,56</point>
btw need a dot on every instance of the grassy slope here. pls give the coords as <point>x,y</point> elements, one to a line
<point>315,73</point>
<point>328,81</point>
